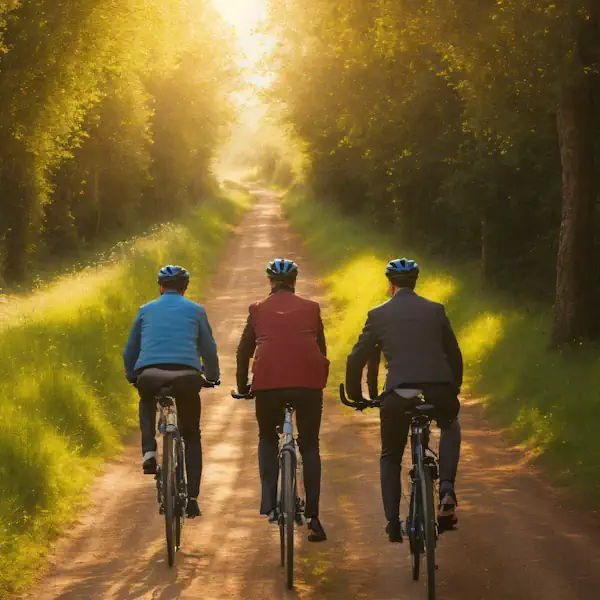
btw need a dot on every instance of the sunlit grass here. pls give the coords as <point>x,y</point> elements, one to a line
<point>549,401</point>
<point>65,403</point>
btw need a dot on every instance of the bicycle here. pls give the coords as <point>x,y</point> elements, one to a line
<point>171,485</point>
<point>421,525</point>
<point>290,507</point>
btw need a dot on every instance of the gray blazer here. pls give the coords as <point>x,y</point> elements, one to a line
<point>416,339</point>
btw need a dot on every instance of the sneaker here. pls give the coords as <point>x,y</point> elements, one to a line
<point>193,510</point>
<point>447,519</point>
<point>316,533</point>
<point>150,466</point>
<point>273,516</point>
<point>394,531</point>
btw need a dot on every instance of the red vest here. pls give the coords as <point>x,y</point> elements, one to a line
<point>287,354</point>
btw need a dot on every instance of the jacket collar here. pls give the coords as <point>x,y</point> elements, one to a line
<point>405,292</point>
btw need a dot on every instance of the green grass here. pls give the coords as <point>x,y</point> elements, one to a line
<point>65,404</point>
<point>548,400</point>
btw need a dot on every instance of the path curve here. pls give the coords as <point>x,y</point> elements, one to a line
<point>517,538</point>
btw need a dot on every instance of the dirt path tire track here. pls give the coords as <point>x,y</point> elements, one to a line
<point>517,540</point>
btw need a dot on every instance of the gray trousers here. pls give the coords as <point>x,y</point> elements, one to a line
<point>394,432</point>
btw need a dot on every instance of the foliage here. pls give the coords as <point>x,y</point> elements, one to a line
<point>438,118</point>
<point>65,402</point>
<point>110,113</point>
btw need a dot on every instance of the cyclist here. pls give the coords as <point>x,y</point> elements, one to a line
<point>421,351</point>
<point>171,333</point>
<point>284,333</point>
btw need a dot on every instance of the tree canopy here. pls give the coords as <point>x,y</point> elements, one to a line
<point>466,124</point>
<point>110,113</point>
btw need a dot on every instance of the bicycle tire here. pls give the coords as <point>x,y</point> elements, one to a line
<point>414,532</point>
<point>169,497</point>
<point>289,514</point>
<point>180,487</point>
<point>429,536</point>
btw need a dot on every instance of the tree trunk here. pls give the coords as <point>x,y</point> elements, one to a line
<point>574,283</point>
<point>19,193</point>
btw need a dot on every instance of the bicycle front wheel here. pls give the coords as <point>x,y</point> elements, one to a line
<point>169,496</point>
<point>289,514</point>
<point>429,533</point>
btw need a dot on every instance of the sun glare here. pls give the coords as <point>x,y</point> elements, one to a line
<point>246,16</point>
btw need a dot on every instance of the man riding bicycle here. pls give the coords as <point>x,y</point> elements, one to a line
<point>284,333</point>
<point>421,351</point>
<point>172,333</point>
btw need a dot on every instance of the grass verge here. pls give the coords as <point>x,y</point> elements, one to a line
<point>548,400</point>
<point>65,402</point>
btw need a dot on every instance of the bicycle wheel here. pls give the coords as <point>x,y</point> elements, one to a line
<point>289,514</point>
<point>429,537</point>
<point>169,496</point>
<point>414,531</point>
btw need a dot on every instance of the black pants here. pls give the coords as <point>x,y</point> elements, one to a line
<point>394,432</point>
<point>187,399</point>
<point>270,409</point>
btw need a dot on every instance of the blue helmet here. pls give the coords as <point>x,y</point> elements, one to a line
<point>173,276</point>
<point>402,270</point>
<point>282,269</point>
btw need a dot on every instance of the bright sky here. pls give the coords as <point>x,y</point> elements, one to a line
<point>246,16</point>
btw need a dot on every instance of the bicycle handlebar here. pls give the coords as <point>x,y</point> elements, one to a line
<point>359,404</point>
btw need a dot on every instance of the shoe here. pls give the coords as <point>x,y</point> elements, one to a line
<point>447,519</point>
<point>316,533</point>
<point>193,510</point>
<point>394,531</point>
<point>150,466</point>
<point>273,516</point>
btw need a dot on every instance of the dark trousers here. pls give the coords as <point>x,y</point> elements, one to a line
<point>270,410</point>
<point>394,432</point>
<point>187,400</point>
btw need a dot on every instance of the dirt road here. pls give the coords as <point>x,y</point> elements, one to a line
<point>517,539</point>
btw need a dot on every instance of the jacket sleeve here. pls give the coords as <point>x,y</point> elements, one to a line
<point>452,350</point>
<point>132,349</point>
<point>357,359</point>
<point>245,352</point>
<point>207,348</point>
<point>373,372</point>
<point>321,337</point>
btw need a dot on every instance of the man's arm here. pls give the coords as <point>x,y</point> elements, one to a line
<point>207,349</point>
<point>357,359</point>
<point>373,372</point>
<point>132,349</point>
<point>245,352</point>
<point>452,350</point>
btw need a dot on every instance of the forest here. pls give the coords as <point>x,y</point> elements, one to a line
<point>110,114</point>
<point>470,127</point>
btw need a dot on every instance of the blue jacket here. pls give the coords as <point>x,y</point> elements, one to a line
<point>171,330</point>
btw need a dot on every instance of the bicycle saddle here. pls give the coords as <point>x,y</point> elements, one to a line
<point>160,381</point>
<point>408,393</point>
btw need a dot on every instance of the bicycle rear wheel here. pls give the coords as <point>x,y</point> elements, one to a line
<point>429,534</point>
<point>289,514</point>
<point>169,492</point>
